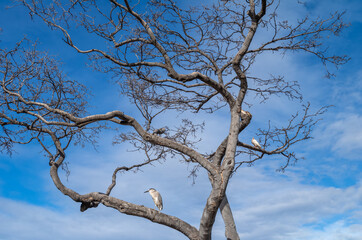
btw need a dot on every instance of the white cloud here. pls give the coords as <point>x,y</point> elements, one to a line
<point>24,221</point>
<point>349,133</point>
<point>268,208</point>
<point>343,135</point>
<point>339,230</point>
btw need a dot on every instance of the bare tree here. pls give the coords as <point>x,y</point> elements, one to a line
<point>165,59</point>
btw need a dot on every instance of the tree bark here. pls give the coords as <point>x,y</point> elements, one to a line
<point>227,215</point>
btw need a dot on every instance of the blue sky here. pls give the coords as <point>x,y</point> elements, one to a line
<point>318,198</point>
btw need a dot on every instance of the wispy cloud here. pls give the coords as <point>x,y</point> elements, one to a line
<point>278,208</point>
<point>342,135</point>
<point>21,220</point>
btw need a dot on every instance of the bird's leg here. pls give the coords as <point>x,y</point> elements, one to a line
<point>157,208</point>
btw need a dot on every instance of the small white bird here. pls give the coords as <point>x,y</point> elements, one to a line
<point>255,143</point>
<point>156,196</point>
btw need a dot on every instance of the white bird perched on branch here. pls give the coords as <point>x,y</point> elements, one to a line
<point>156,196</point>
<point>159,131</point>
<point>255,143</point>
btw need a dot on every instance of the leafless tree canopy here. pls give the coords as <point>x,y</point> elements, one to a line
<point>165,58</point>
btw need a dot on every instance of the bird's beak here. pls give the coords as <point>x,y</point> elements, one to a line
<point>147,191</point>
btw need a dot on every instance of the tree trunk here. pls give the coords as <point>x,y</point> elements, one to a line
<point>227,216</point>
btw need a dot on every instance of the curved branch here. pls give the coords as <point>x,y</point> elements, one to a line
<point>114,175</point>
<point>122,206</point>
